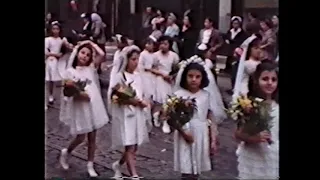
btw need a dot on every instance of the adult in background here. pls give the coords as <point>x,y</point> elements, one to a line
<point>275,22</point>
<point>98,28</point>
<point>172,31</point>
<point>234,38</point>
<point>209,38</point>
<point>146,21</point>
<point>159,19</point>
<point>254,22</point>
<point>268,43</point>
<point>86,33</point>
<point>188,37</point>
<point>48,20</point>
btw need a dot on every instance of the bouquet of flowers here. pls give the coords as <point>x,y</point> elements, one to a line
<point>174,69</point>
<point>122,92</point>
<point>179,110</point>
<point>77,87</point>
<point>252,114</point>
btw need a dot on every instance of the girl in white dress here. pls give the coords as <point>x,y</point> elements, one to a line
<point>249,60</point>
<point>53,45</point>
<point>129,128</point>
<point>192,144</point>
<point>98,55</point>
<point>257,159</point>
<point>122,42</point>
<point>85,113</point>
<point>165,59</point>
<point>146,62</point>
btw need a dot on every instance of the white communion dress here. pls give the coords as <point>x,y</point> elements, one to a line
<point>83,116</point>
<point>261,161</point>
<point>129,123</point>
<point>194,158</point>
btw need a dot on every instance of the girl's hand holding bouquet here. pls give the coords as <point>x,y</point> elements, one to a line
<point>253,118</point>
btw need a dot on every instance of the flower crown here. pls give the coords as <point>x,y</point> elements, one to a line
<point>193,59</point>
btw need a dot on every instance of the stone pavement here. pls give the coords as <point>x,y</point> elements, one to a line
<point>154,160</point>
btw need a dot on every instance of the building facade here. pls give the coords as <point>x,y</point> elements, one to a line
<point>125,16</point>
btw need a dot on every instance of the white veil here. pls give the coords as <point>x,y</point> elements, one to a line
<point>216,102</point>
<point>124,61</point>
<point>240,72</point>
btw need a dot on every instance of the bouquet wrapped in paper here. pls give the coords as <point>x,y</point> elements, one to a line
<point>178,111</point>
<point>121,93</point>
<point>252,114</point>
<point>76,88</point>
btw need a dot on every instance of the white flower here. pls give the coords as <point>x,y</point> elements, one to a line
<point>234,116</point>
<point>259,99</point>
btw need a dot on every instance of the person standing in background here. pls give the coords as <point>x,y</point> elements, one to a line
<point>268,43</point>
<point>188,37</point>
<point>172,31</point>
<point>98,28</point>
<point>209,38</point>
<point>234,38</point>
<point>146,21</point>
<point>254,22</point>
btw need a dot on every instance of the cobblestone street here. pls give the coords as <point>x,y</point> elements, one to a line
<point>154,160</point>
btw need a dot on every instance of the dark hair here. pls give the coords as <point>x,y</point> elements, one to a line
<point>124,40</point>
<point>194,66</point>
<point>268,22</point>
<point>130,54</point>
<point>75,61</point>
<point>209,19</point>
<point>158,26</point>
<point>236,19</point>
<point>253,14</point>
<point>148,41</point>
<point>166,38</point>
<point>254,88</point>
<point>55,24</point>
<point>253,43</point>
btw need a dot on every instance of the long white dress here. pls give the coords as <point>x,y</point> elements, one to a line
<point>129,124</point>
<point>194,159</point>
<point>83,116</point>
<point>54,66</point>
<point>164,63</point>
<point>146,61</point>
<point>249,68</point>
<point>261,161</point>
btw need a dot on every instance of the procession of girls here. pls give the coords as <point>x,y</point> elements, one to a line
<point>149,73</point>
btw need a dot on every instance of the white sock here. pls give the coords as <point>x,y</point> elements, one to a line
<point>91,170</point>
<point>64,159</point>
<point>156,119</point>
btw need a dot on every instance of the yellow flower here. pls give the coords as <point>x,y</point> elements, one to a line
<point>165,107</point>
<point>245,103</point>
<point>115,99</point>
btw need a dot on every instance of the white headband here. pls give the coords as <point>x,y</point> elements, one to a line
<point>236,18</point>
<point>216,102</point>
<point>153,38</point>
<point>54,22</point>
<point>118,36</point>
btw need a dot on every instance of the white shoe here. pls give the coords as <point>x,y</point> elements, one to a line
<point>51,99</point>
<point>91,171</point>
<point>116,169</point>
<point>136,177</point>
<point>166,128</point>
<point>64,159</point>
<point>156,119</point>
